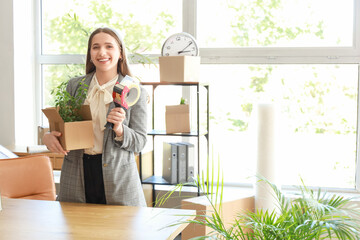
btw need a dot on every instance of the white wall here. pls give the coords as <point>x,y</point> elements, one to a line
<point>24,73</point>
<point>7,98</point>
<point>17,77</point>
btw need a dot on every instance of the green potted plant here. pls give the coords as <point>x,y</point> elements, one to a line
<point>310,215</point>
<point>71,118</point>
<point>69,106</point>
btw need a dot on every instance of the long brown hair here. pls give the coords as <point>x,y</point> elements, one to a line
<point>122,66</point>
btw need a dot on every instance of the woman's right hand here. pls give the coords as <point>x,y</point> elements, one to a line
<point>50,139</point>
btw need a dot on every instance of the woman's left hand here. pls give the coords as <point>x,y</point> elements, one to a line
<point>117,116</point>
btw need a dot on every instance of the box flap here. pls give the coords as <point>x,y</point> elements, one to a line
<point>182,108</point>
<point>56,123</point>
<point>52,114</point>
<point>85,112</point>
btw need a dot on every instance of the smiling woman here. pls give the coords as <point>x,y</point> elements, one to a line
<point>106,54</point>
<point>97,174</point>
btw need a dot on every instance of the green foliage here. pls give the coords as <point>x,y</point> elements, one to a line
<point>182,101</point>
<point>257,23</point>
<point>205,182</point>
<point>54,75</point>
<point>258,82</point>
<point>71,33</point>
<point>311,215</point>
<point>239,124</point>
<point>69,106</point>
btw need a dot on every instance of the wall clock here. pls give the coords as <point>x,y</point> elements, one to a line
<point>180,44</point>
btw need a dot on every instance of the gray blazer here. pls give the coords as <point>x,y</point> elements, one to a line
<point>121,178</point>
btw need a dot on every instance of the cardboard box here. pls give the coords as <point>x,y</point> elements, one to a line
<point>41,132</point>
<point>232,205</point>
<point>75,135</point>
<point>179,69</point>
<point>177,119</point>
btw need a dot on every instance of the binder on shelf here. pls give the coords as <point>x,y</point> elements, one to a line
<point>182,159</point>
<point>170,162</point>
<point>190,161</point>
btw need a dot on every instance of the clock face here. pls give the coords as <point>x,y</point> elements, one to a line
<point>180,44</point>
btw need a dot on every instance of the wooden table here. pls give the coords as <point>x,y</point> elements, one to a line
<point>36,219</point>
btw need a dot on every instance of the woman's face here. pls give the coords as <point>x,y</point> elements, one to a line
<point>105,53</point>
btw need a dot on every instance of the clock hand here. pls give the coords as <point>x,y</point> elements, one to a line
<point>184,51</point>
<point>185,48</point>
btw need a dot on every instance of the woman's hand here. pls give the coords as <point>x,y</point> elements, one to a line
<point>117,117</point>
<point>50,139</point>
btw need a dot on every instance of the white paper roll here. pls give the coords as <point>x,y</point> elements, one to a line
<point>266,155</point>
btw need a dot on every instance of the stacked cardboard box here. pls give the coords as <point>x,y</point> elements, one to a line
<point>179,68</point>
<point>177,118</point>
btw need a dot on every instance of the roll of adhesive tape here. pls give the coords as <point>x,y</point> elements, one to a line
<point>134,90</point>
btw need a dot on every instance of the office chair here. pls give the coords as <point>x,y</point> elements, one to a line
<point>29,177</point>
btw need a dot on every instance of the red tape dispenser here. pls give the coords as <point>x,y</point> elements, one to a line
<point>125,94</point>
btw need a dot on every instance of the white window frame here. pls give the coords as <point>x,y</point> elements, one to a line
<point>269,55</point>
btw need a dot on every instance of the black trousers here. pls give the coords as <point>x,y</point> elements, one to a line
<point>93,178</point>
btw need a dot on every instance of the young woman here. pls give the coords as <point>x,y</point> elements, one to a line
<point>106,173</point>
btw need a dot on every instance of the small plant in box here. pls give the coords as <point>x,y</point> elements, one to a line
<point>183,101</point>
<point>69,106</point>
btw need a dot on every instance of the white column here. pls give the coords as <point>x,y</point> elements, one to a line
<point>266,155</point>
<point>7,90</point>
<point>24,74</point>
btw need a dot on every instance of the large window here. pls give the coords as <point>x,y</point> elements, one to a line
<point>299,55</point>
<point>291,23</point>
<point>66,25</point>
<point>317,114</point>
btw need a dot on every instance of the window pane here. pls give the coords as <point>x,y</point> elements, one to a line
<point>146,72</point>
<point>284,23</point>
<point>53,75</point>
<point>144,24</point>
<point>318,113</point>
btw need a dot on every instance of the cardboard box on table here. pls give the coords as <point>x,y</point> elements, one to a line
<point>232,205</point>
<point>75,135</point>
<point>179,68</point>
<point>177,118</point>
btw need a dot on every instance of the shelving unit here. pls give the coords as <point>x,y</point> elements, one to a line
<point>197,133</point>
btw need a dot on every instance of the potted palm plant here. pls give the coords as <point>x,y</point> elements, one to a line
<point>312,214</point>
